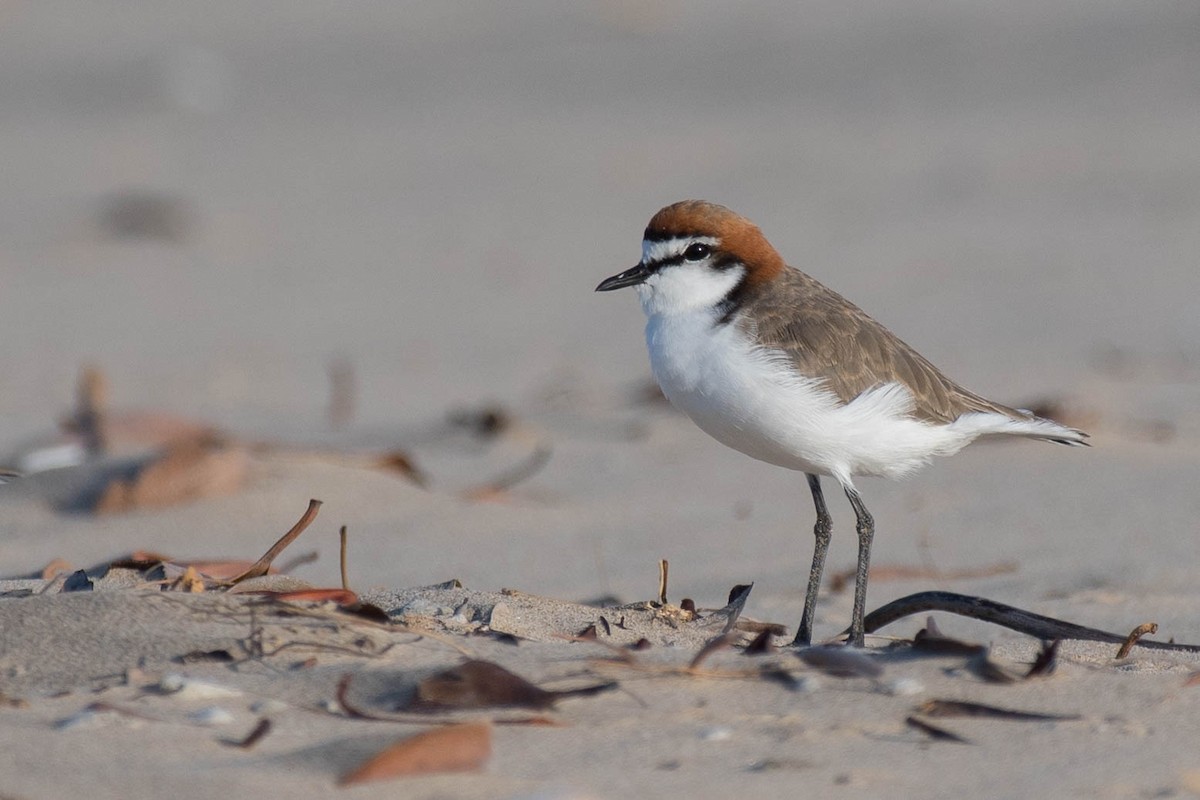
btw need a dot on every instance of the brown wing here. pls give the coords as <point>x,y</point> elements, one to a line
<point>827,336</point>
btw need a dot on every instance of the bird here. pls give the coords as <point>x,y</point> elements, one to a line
<point>772,363</point>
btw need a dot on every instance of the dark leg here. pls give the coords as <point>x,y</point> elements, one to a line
<point>866,532</point>
<point>822,530</point>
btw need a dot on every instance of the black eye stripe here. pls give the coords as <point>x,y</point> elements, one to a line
<point>723,261</point>
<point>672,261</point>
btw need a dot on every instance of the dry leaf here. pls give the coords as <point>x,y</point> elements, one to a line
<point>184,472</point>
<point>56,568</point>
<point>254,737</point>
<point>761,645</point>
<point>934,732</point>
<point>963,708</point>
<point>482,684</point>
<point>456,748</point>
<point>339,596</point>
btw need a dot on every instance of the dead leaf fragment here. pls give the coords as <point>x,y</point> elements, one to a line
<point>934,732</point>
<point>254,737</point>
<point>483,684</point>
<point>339,596</point>
<point>183,472</point>
<point>963,708</point>
<point>1046,662</point>
<point>455,748</point>
<point>55,568</point>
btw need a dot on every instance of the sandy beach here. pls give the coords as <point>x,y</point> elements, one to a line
<point>348,253</point>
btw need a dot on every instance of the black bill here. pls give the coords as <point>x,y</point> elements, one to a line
<point>630,277</point>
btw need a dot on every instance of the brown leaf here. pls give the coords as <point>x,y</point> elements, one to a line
<point>186,471</point>
<point>140,559</point>
<point>963,708</point>
<point>55,568</point>
<point>253,737</point>
<point>482,684</point>
<point>221,570</point>
<point>455,748</point>
<point>497,488</point>
<point>761,644</point>
<point>934,732</point>
<point>402,463</point>
<point>339,596</point>
<point>930,639</point>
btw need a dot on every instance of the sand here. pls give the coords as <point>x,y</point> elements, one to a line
<point>215,203</point>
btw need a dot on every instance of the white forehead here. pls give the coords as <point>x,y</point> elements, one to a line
<point>664,249</point>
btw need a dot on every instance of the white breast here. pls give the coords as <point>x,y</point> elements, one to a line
<point>753,401</point>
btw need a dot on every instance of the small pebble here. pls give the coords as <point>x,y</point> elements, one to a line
<point>716,733</point>
<point>905,687</point>
<point>268,706</point>
<point>87,719</point>
<point>190,689</point>
<point>807,684</point>
<point>212,715</point>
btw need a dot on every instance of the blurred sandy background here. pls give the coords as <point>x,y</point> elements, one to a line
<point>431,191</point>
<point>214,202</point>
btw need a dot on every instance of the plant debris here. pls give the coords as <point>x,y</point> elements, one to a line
<point>963,708</point>
<point>455,748</point>
<point>484,684</point>
<point>934,732</point>
<point>1027,622</point>
<point>256,735</point>
<point>1134,635</point>
<point>260,567</point>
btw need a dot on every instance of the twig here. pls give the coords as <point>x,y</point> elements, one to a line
<point>254,737</point>
<point>1134,635</point>
<point>260,567</point>
<point>342,556</point>
<point>662,581</point>
<point>1027,622</point>
<point>934,732</point>
<point>711,646</point>
<point>507,480</point>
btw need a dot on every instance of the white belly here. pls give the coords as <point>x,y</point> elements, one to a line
<point>751,400</point>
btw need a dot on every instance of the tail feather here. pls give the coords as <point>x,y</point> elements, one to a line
<point>1026,425</point>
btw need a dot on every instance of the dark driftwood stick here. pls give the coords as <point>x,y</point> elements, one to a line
<point>1036,625</point>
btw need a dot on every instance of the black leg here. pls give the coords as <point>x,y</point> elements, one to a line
<point>866,532</point>
<point>822,530</point>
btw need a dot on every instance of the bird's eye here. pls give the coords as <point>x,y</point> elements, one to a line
<point>697,252</point>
